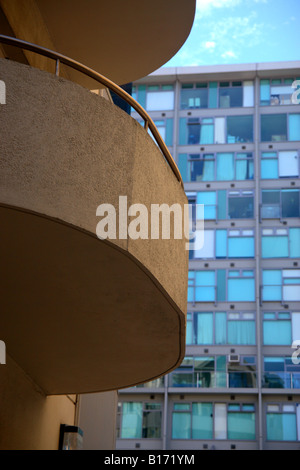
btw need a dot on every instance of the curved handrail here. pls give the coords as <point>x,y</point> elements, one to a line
<point>60,58</point>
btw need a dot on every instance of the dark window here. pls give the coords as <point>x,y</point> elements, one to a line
<point>273,127</point>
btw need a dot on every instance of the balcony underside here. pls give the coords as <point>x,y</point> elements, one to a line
<point>122,40</point>
<point>80,314</point>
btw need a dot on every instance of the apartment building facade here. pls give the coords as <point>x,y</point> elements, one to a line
<point>234,132</point>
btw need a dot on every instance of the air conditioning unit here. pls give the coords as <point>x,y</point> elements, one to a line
<point>234,358</point>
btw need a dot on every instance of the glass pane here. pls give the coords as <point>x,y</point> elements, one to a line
<point>204,294</point>
<point>294,242</point>
<point>204,328</point>
<point>202,421</point>
<point>277,333</point>
<point>241,290</point>
<point>273,127</point>
<point>288,163</point>
<point>182,131</point>
<point>244,169</point>
<point>294,127</point>
<point>209,201</point>
<point>207,249</point>
<point>225,166</point>
<point>241,332</point>
<point>275,247</point>
<point>193,130</point>
<point>152,424</point>
<point>213,95</point>
<point>189,332</point>
<point>220,333</point>
<point>181,426</point>
<point>221,243</point>
<point>281,427</point>
<point>269,168</point>
<point>265,92</point>
<point>183,166</point>
<point>207,134</point>
<point>222,199</point>
<point>240,207</point>
<point>181,406</point>
<point>242,247</point>
<point>290,203</point>
<point>132,420</point>
<point>194,98</point>
<point>160,101</point>
<point>272,277</point>
<point>220,419</point>
<point>239,129</point>
<point>221,285</point>
<point>241,426</point>
<point>231,97</point>
<point>201,170</point>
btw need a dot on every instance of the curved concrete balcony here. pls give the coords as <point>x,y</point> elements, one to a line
<point>124,40</point>
<point>82,314</point>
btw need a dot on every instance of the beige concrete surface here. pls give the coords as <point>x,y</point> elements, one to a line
<point>82,314</point>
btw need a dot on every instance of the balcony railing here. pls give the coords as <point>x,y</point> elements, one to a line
<point>281,380</point>
<point>61,59</point>
<point>213,379</point>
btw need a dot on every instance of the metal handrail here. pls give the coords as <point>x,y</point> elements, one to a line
<point>61,59</point>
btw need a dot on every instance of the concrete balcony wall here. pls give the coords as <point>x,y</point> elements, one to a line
<point>29,420</point>
<point>83,314</point>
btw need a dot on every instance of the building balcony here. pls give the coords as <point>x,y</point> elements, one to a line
<point>82,314</point>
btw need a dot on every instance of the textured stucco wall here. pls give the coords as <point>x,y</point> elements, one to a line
<point>66,150</point>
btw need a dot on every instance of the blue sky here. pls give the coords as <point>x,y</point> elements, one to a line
<point>241,31</point>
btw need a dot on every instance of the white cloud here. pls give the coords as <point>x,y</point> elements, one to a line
<point>228,55</point>
<point>209,44</point>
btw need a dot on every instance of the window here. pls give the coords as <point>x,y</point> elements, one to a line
<point>192,421</point>
<point>224,204</point>
<point>221,285</point>
<point>280,372</point>
<point>276,92</point>
<point>281,285</point>
<point>159,98</point>
<point>241,286</point>
<point>240,243</point>
<point>214,95</point>
<point>223,243</point>
<point>282,422</point>
<point>204,421</point>
<point>281,164</point>
<point>196,131</point>
<point>205,131</point>
<point>241,422</point>
<point>232,166</point>
<point>240,205</point>
<point>201,286</point>
<point>280,127</point>
<point>209,200</point>
<point>278,203</point>
<point>230,95</point>
<point>220,166</point>
<point>215,372</point>
<point>194,96</point>
<point>165,128</point>
<point>140,420</point>
<point>280,328</point>
<point>280,243</point>
<point>207,328</point>
<point>239,129</point>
